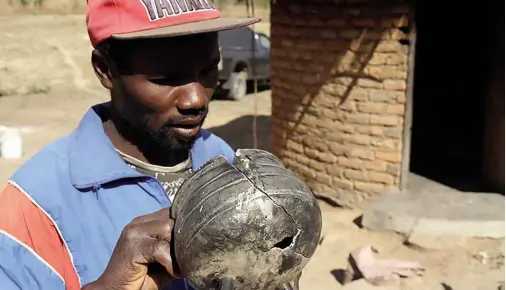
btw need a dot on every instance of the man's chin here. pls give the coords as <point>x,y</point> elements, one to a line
<point>179,142</point>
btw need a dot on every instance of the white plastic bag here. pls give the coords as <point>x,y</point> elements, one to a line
<point>11,143</point>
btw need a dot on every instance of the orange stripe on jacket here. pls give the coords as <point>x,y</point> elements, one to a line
<point>25,221</point>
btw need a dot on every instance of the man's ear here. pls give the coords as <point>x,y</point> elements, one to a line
<point>102,69</point>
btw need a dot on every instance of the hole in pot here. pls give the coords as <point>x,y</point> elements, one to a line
<point>284,243</point>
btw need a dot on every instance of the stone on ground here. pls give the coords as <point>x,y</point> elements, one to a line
<point>436,241</point>
<point>446,212</point>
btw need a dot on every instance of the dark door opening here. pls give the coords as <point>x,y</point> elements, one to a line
<point>459,47</point>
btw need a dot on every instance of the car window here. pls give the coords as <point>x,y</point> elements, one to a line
<point>264,41</point>
<point>236,38</point>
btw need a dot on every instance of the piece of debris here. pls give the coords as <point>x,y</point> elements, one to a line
<point>482,257</point>
<point>362,263</point>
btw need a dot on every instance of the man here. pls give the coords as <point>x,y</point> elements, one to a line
<point>90,211</point>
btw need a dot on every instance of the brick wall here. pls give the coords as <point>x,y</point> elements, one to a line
<point>339,72</point>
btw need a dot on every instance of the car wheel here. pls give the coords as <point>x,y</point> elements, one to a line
<point>238,85</point>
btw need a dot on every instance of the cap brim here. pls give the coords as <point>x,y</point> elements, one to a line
<point>211,25</point>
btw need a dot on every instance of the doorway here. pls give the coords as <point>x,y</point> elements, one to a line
<point>459,48</point>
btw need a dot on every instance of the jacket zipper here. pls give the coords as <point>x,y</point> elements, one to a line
<point>186,286</point>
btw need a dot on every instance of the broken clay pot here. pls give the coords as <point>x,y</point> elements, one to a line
<point>251,223</point>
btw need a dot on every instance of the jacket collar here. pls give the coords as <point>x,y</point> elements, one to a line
<point>94,161</point>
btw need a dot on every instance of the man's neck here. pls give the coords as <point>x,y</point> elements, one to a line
<point>147,155</point>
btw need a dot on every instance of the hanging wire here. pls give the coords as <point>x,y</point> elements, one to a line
<point>250,11</point>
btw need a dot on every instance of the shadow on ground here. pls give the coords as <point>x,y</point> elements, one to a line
<point>239,132</point>
<point>339,275</point>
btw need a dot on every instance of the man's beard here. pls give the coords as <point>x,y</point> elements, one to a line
<point>164,140</point>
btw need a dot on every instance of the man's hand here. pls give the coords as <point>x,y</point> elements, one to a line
<point>146,240</point>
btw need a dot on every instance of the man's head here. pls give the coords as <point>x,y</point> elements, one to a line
<point>160,87</point>
<point>159,60</point>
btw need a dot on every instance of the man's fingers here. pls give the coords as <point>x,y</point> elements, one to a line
<point>161,254</point>
<point>163,214</point>
<point>158,229</point>
<point>151,242</point>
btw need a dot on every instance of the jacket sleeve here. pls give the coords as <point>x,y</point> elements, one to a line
<point>32,254</point>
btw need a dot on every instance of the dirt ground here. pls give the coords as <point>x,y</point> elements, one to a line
<point>46,85</point>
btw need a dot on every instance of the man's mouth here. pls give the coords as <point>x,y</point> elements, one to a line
<point>187,128</point>
<point>188,123</point>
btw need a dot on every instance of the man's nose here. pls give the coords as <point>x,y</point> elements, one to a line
<point>191,97</point>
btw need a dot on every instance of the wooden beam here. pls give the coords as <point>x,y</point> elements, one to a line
<point>408,110</point>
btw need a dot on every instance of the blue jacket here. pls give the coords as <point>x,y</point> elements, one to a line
<point>62,212</point>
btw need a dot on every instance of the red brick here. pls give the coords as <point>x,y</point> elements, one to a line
<point>316,165</point>
<point>328,33</point>
<point>323,178</point>
<point>358,118</point>
<point>372,108</point>
<point>336,22</point>
<point>355,175</point>
<point>384,120</point>
<point>386,143</point>
<point>360,153</point>
<point>315,143</point>
<point>376,165</point>
<point>365,22</point>
<point>350,33</point>
<point>342,183</point>
<point>335,170</point>
<point>395,133</point>
<point>369,187</point>
<point>394,169</point>
<point>389,156</point>
<point>356,139</point>
<point>395,109</point>
<point>381,96</point>
<point>381,177</point>
<point>326,157</point>
<point>296,147</point>
<point>371,130</point>
<point>395,85</point>
<point>353,163</point>
<point>368,83</point>
<point>396,59</point>
<point>338,149</point>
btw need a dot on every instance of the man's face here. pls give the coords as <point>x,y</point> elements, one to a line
<point>161,88</point>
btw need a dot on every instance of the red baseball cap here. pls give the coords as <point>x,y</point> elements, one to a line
<point>133,19</point>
